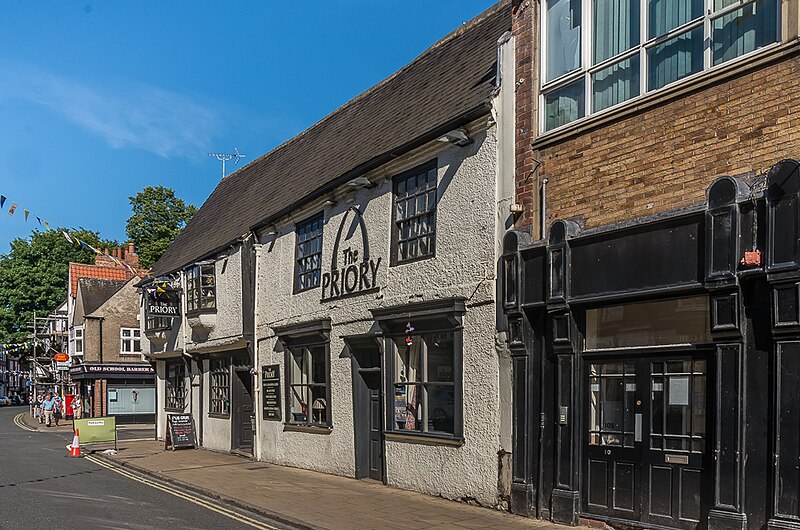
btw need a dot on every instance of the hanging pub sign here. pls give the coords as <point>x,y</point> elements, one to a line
<point>355,273</point>
<point>163,302</point>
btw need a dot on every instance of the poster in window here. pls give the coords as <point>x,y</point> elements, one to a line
<point>400,407</point>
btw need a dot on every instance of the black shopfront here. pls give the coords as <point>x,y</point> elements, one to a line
<point>656,364</point>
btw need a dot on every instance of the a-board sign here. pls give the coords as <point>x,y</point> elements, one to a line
<point>271,389</point>
<point>180,431</point>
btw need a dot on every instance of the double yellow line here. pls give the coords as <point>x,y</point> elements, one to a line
<point>21,424</point>
<point>185,496</point>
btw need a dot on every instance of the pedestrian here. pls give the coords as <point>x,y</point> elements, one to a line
<point>58,409</point>
<point>77,407</point>
<point>48,405</point>
<point>39,413</point>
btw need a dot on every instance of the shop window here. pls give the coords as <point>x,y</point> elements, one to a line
<point>308,255</point>
<point>598,53</point>
<point>659,323</point>
<point>415,201</point>
<point>308,382</point>
<point>220,388</point>
<point>201,288</point>
<point>130,341</point>
<point>424,377</point>
<point>176,385</point>
<point>76,341</point>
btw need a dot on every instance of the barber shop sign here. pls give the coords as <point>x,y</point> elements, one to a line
<point>352,271</point>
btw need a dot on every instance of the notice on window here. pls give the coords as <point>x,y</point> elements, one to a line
<point>112,395</point>
<point>679,391</point>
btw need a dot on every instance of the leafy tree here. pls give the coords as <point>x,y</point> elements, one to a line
<point>158,217</point>
<point>34,275</point>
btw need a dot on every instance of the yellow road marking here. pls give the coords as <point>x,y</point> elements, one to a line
<point>188,497</point>
<point>19,423</point>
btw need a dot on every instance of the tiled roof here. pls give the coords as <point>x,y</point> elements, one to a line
<point>82,270</point>
<point>448,85</point>
<point>94,292</point>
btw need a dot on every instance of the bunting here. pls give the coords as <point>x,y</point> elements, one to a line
<point>12,209</point>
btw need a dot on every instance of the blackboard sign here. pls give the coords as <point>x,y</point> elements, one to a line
<point>271,388</point>
<point>180,431</point>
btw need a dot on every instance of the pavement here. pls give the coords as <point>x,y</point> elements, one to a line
<point>308,499</point>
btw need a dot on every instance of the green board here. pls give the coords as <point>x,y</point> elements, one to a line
<point>97,430</point>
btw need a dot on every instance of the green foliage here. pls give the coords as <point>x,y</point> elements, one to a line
<point>158,217</point>
<point>34,275</point>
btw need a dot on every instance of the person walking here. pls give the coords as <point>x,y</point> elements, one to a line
<point>77,407</point>
<point>58,410</point>
<point>37,408</point>
<point>48,405</point>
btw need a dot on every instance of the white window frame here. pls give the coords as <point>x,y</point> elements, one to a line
<point>587,69</point>
<point>76,336</point>
<point>132,336</point>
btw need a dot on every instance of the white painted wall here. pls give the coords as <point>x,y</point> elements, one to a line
<point>464,266</point>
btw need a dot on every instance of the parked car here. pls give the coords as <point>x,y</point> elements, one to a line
<point>4,401</point>
<point>17,400</point>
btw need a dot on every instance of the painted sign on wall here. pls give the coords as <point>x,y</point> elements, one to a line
<point>355,273</point>
<point>271,389</point>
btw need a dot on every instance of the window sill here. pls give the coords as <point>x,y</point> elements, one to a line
<point>311,429</point>
<point>196,312</point>
<point>424,439</point>
<point>398,263</point>
<point>130,354</point>
<point>180,410</point>
<point>219,416</point>
<point>653,99</point>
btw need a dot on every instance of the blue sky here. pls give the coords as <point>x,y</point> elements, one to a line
<point>99,99</point>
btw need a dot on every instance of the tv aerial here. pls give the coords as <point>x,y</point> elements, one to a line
<point>225,157</point>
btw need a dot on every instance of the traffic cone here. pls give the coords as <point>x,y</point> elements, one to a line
<point>75,448</point>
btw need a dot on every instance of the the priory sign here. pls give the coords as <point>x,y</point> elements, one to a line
<point>164,303</point>
<point>356,272</point>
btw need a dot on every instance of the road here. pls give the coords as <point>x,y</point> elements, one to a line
<point>41,487</point>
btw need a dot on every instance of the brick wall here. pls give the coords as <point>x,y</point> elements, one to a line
<point>666,157</point>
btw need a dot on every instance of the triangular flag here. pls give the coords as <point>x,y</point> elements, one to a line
<point>12,209</point>
<point>67,236</point>
<point>46,225</point>
<point>2,200</point>
<point>39,219</point>
<point>27,213</point>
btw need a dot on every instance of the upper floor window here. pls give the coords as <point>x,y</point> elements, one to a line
<point>597,55</point>
<point>76,340</point>
<point>130,340</point>
<point>308,255</point>
<point>201,288</point>
<point>414,231</point>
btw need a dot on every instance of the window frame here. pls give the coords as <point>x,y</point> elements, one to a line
<point>175,389</point>
<point>299,349</point>
<point>74,340</point>
<point>395,258</point>
<point>134,336</point>
<point>587,69</point>
<point>194,288</point>
<point>308,223</point>
<point>219,388</point>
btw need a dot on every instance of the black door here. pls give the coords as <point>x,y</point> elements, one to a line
<point>375,424</point>
<point>243,411</point>
<point>647,451</point>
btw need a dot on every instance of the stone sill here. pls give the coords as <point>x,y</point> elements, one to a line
<point>310,429</point>
<point>423,439</point>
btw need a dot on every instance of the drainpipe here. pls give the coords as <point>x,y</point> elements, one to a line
<point>256,387</point>
<point>544,210</point>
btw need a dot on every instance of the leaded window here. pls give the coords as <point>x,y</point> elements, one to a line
<point>220,388</point>
<point>308,256</point>
<point>176,385</point>
<point>201,288</point>
<point>599,53</point>
<point>415,201</point>
<point>309,385</point>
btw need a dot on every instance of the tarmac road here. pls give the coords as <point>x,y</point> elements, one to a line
<point>41,487</point>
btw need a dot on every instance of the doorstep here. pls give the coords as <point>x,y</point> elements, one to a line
<point>338,502</point>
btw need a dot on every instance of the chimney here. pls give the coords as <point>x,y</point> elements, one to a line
<point>131,258</point>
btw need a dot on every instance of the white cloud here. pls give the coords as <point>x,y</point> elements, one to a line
<point>136,115</point>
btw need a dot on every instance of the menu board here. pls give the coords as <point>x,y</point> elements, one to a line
<point>271,389</point>
<point>180,431</point>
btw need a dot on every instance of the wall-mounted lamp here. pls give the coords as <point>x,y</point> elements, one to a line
<point>360,182</point>
<point>329,204</point>
<point>459,137</point>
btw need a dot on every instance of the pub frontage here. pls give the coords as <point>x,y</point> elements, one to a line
<point>656,363</point>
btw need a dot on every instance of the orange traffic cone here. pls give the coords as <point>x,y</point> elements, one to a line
<point>75,448</point>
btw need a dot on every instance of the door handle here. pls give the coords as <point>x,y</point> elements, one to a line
<point>637,428</point>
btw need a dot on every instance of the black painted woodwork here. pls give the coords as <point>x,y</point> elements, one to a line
<point>783,213</point>
<point>242,411</point>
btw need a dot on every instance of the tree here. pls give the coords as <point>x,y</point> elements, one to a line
<point>34,275</point>
<point>158,217</point>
